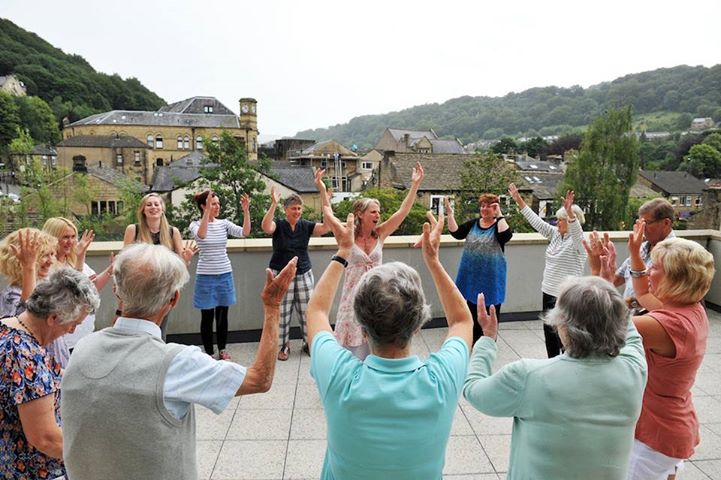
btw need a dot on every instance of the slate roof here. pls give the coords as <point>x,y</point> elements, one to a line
<point>169,178</point>
<point>161,118</point>
<point>197,105</point>
<point>297,178</point>
<point>447,146</point>
<point>115,177</point>
<point>43,149</point>
<point>104,141</point>
<point>399,133</point>
<point>543,184</point>
<point>442,172</point>
<point>323,147</point>
<point>537,166</point>
<point>674,183</point>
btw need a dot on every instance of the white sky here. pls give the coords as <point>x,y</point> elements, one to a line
<point>316,63</point>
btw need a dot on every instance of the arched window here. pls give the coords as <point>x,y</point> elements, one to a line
<point>150,140</point>
<point>180,142</point>
<point>215,139</point>
<point>158,141</point>
<point>198,143</point>
<point>186,142</point>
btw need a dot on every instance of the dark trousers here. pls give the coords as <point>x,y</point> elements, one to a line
<point>553,341</point>
<point>477,330</point>
<point>221,330</point>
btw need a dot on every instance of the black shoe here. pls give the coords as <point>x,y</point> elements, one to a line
<point>305,349</point>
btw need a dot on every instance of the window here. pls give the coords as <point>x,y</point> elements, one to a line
<point>367,165</point>
<point>198,143</point>
<point>215,139</point>
<point>150,140</point>
<point>119,159</point>
<point>159,162</point>
<point>255,146</point>
<point>136,159</point>
<point>324,163</point>
<point>158,141</point>
<point>340,183</point>
<point>102,207</point>
<point>699,202</point>
<point>437,204</point>
<point>208,109</point>
<point>79,164</point>
<point>687,201</point>
<point>186,142</point>
<point>674,201</point>
<point>180,142</point>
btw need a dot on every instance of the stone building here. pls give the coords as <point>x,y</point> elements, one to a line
<point>12,85</point>
<point>417,141</point>
<point>125,154</point>
<point>343,166</point>
<point>682,189</point>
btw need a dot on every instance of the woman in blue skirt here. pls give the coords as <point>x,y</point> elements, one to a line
<point>214,287</point>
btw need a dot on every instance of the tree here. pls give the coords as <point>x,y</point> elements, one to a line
<point>39,119</point>
<point>713,140</point>
<point>229,174</point>
<point>605,169</point>
<point>534,147</point>
<point>22,144</point>
<point>702,161</point>
<point>9,119</point>
<point>683,121</point>
<point>504,145</point>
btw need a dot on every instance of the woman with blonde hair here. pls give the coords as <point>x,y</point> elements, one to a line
<point>367,252</point>
<point>153,227</point>
<point>71,252</point>
<point>674,333</point>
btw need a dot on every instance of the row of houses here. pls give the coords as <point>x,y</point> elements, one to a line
<point>163,152</point>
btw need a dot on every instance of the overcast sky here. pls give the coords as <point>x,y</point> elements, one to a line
<point>316,63</point>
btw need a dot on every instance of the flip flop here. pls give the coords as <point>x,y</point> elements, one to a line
<point>284,353</point>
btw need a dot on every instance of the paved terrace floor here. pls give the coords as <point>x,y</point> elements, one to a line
<point>282,434</point>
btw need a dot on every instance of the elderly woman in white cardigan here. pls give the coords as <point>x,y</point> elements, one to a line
<point>565,254</point>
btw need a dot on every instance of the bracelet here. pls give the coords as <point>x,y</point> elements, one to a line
<point>638,273</point>
<point>500,218</point>
<point>339,259</point>
<point>118,312</point>
<point>571,221</point>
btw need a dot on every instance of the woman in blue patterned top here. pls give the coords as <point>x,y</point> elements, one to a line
<point>31,441</point>
<point>483,265</point>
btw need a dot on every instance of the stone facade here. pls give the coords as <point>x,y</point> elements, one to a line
<point>13,86</point>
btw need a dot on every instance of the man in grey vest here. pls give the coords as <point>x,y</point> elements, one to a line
<point>128,397</point>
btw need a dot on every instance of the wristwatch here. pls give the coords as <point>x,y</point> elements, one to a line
<point>340,260</point>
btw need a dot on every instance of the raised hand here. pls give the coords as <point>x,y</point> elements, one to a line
<point>318,177</point>
<point>418,174</point>
<point>488,323</point>
<point>274,195</point>
<point>245,202</point>
<point>497,210</point>
<point>635,238</point>
<point>568,202</point>
<point>84,243</point>
<point>29,249</point>
<point>430,241</point>
<point>344,233</point>
<point>276,287</point>
<point>190,249</point>
<point>448,206</point>
<point>608,260</point>
<point>513,192</point>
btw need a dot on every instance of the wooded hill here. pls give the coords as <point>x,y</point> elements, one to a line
<point>67,82</point>
<point>665,99</point>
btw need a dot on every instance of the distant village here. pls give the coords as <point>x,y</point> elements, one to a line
<point>163,152</point>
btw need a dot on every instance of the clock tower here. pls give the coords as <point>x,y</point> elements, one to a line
<point>249,122</point>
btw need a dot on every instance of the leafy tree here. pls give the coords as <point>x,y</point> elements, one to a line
<point>37,116</point>
<point>534,147</point>
<point>683,121</point>
<point>22,144</point>
<point>713,140</point>
<point>504,145</point>
<point>605,169</point>
<point>9,119</point>
<point>229,174</point>
<point>702,161</point>
<point>390,200</point>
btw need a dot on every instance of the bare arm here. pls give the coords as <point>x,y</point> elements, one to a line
<point>320,302</point>
<point>245,205</point>
<point>37,418</point>
<point>640,283</point>
<point>129,236</point>
<point>102,278</point>
<point>513,192</point>
<point>654,336</point>
<point>205,219</point>
<point>259,376</point>
<point>268,224</point>
<point>460,322</point>
<point>502,223</point>
<point>391,225</point>
<point>452,225</point>
<point>82,248</point>
<point>27,254</point>
<point>321,228</point>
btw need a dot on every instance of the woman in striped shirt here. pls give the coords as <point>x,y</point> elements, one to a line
<point>565,254</point>
<point>214,286</point>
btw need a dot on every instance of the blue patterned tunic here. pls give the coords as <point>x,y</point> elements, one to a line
<point>28,373</point>
<point>483,265</point>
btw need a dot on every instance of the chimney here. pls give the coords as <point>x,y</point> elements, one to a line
<point>407,138</point>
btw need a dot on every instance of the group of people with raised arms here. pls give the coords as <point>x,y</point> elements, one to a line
<point>611,401</point>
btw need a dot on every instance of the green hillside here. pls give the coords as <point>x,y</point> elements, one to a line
<point>662,99</point>
<point>67,82</point>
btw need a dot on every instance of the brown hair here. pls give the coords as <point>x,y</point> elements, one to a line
<point>360,206</point>
<point>488,198</point>
<point>201,198</point>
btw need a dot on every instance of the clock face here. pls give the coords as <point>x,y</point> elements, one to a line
<point>252,109</point>
<point>244,108</point>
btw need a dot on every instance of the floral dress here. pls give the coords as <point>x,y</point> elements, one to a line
<point>28,373</point>
<point>347,330</point>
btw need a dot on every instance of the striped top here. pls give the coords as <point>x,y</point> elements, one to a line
<point>565,255</point>
<point>213,256</point>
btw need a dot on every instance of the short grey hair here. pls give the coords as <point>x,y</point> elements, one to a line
<point>66,293</point>
<point>594,315</point>
<point>561,213</point>
<point>146,278</point>
<point>389,304</point>
<point>658,208</point>
<point>292,199</point>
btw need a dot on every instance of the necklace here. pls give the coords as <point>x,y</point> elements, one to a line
<point>30,332</point>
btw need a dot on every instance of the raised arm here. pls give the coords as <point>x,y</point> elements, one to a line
<point>318,310</point>
<point>268,224</point>
<point>205,219</point>
<point>81,249</point>
<point>500,219</point>
<point>452,225</point>
<point>639,274</point>
<point>460,322</point>
<point>321,228</point>
<point>259,376</point>
<point>391,225</point>
<point>27,255</point>
<point>245,206</point>
<point>534,220</point>
<point>513,192</point>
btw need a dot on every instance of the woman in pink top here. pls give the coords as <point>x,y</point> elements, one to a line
<point>368,253</point>
<point>674,333</point>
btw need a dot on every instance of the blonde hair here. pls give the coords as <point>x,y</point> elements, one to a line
<point>56,226</point>
<point>144,234</point>
<point>688,268</point>
<point>10,266</point>
<point>360,206</point>
<point>561,214</point>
